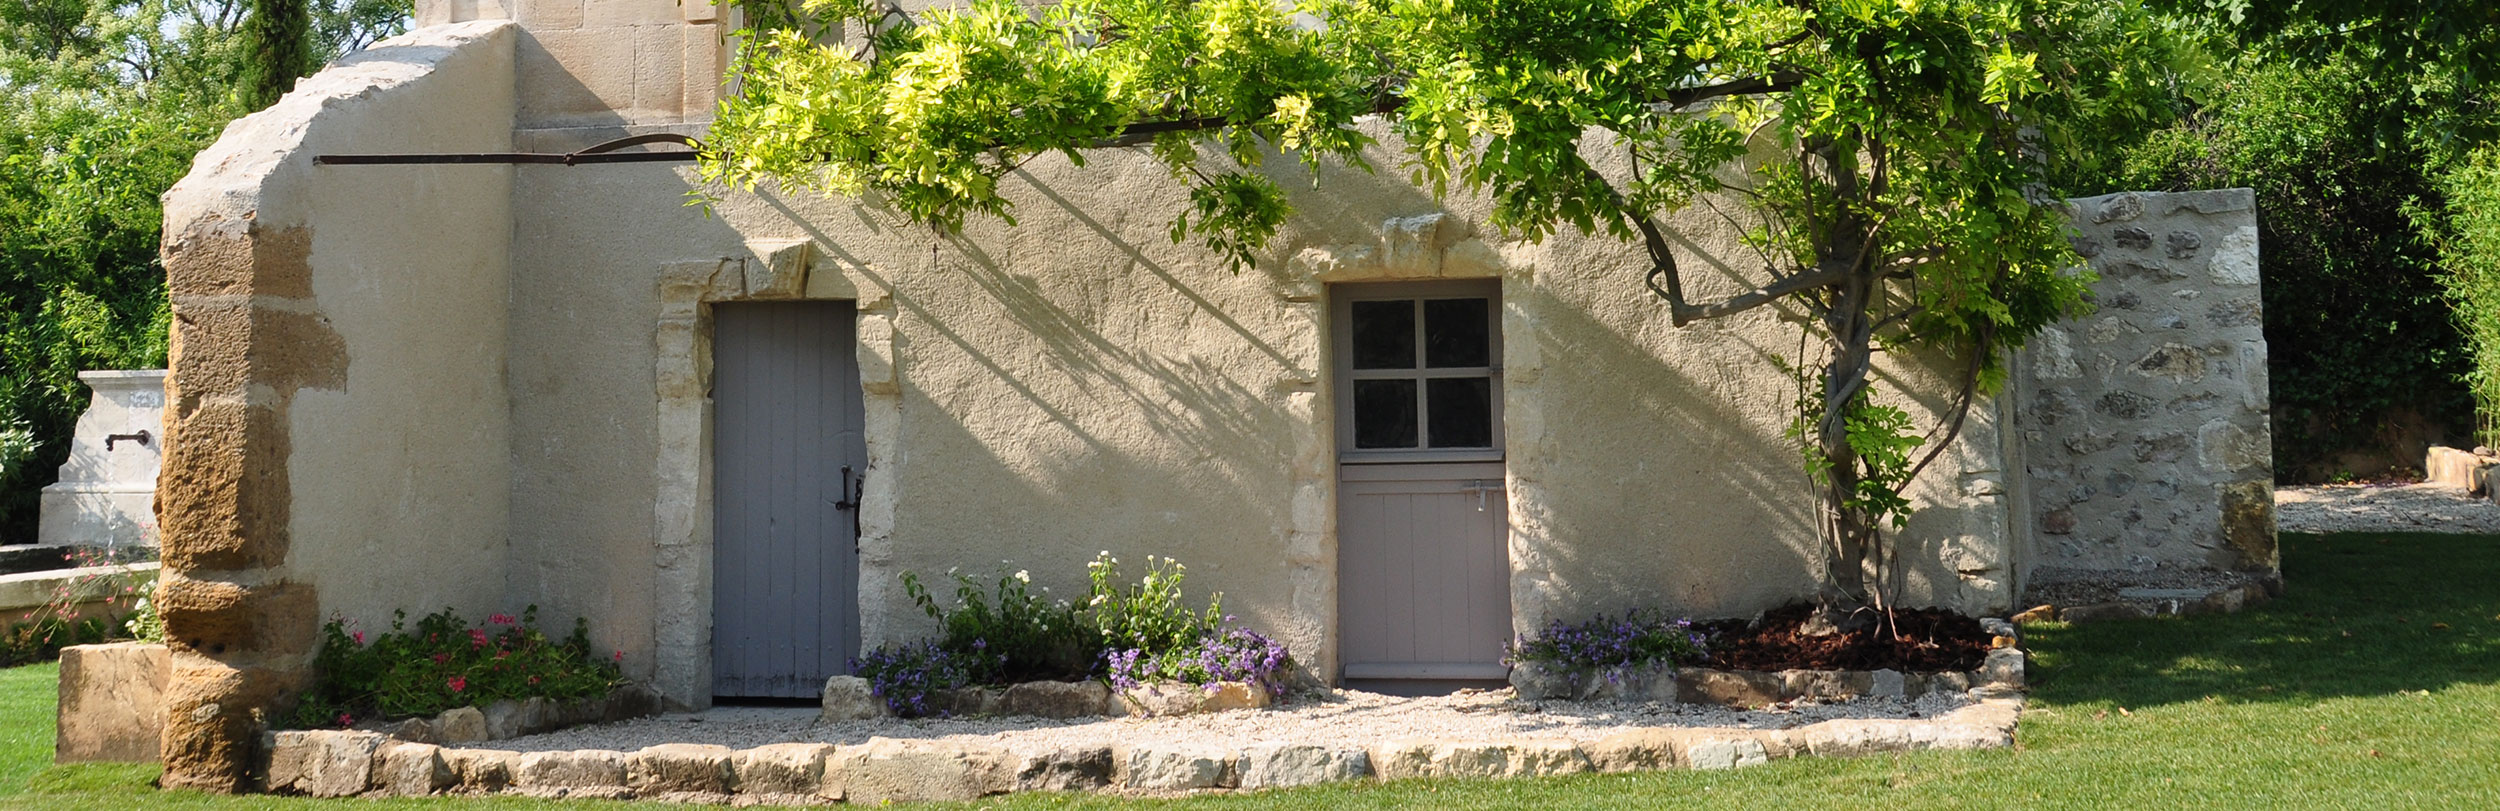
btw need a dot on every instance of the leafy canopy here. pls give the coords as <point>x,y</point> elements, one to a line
<point>1899,157</point>
<point>1962,105</point>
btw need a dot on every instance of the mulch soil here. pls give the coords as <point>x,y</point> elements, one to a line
<point>1929,641</point>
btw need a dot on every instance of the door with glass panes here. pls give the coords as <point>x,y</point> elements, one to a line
<point>1423,574</point>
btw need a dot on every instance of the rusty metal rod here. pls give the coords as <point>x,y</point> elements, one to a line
<point>600,153</point>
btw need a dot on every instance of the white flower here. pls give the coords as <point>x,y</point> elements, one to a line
<point>1023,577</point>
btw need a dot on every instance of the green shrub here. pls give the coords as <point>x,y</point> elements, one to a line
<point>2470,247</point>
<point>1149,616</point>
<point>444,663</point>
<point>1011,634</point>
<point>1127,632</point>
<point>2359,344</point>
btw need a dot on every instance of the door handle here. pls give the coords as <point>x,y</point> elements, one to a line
<point>853,488</point>
<point>848,498</point>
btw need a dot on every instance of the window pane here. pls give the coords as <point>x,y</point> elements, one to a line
<point>1462,411</point>
<point>1456,333</point>
<point>1384,334</point>
<point>1384,414</point>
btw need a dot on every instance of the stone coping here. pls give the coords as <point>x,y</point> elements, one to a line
<point>26,590</point>
<point>341,763</point>
<point>2003,670</point>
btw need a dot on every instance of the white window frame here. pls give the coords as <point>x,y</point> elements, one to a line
<point>1341,364</point>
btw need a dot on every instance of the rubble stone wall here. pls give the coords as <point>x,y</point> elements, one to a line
<point>2143,424</point>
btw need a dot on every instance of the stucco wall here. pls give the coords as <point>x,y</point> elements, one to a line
<point>336,405</point>
<point>1079,384</point>
<point>2144,424</point>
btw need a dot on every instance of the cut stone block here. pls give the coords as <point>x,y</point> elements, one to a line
<point>112,697</point>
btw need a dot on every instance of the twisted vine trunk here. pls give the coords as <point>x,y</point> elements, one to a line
<point>1849,324</point>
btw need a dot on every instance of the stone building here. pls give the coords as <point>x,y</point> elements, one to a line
<point>722,436</point>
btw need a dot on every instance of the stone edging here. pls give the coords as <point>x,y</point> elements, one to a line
<point>352,763</point>
<point>851,698</point>
<point>512,719</point>
<point>2003,670</point>
<point>2144,603</point>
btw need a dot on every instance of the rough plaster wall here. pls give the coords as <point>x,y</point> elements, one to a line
<point>397,469</point>
<point>1079,384</point>
<point>335,441</point>
<point>2144,424</point>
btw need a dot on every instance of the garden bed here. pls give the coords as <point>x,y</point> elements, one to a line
<point>514,718</point>
<point>848,698</point>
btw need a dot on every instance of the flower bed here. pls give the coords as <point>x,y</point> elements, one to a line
<point>1128,648</point>
<point>1648,656</point>
<point>445,680</point>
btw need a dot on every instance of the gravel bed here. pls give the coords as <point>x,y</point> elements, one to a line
<point>1335,718</point>
<point>2383,508</point>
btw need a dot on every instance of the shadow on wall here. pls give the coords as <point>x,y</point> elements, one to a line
<point>1705,513</point>
<point>1025,399</point>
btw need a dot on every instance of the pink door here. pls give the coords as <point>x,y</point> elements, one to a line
<point>1423,573</point>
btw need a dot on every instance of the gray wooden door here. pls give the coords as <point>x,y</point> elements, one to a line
<point>1423,571</point>
<point>787,456</point>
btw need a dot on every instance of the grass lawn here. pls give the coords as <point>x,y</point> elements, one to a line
<point>2374,683</point>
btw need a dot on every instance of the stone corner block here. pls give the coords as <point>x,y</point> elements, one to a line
<point>322,763</point>
<point>111,700</point>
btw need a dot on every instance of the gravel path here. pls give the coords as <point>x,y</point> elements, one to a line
<point>2383,508</point>
<point>1337,718</point>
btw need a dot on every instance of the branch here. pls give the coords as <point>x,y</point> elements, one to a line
<point>1144,132</point>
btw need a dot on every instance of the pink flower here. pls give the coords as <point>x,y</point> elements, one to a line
<point>501,619</point>
<point>458,683</point>
<point>441,658</point>
<point>346,720</point>
<point>477,637</point>
<point>359,637</point>
<point>620,657</point>
<point>533,679</point>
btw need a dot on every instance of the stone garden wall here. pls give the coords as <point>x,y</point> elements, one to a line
<point>2143,424</point>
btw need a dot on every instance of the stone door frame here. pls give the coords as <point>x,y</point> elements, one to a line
<point>682,511</point>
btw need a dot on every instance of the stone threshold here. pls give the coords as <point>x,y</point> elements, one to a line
<point>343,763</point>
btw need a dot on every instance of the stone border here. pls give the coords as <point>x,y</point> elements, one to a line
<point>851,698</point>
<point>2146,603</point>
<point>2003,671</point>
<point>512,719</point>
<point>345,763</point>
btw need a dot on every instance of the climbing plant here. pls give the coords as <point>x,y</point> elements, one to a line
<point>1899,155</point>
